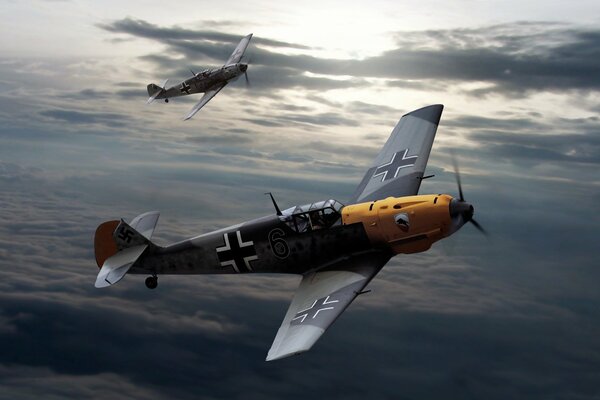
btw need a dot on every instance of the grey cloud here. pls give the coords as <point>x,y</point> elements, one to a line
<point>322,119</point>
<point>435,324</point>
<point>527,139</point>
<point>431,84</point>
<point>138,93</point>
<point>87,94</point>
<point>270,122</point>
<point>367,108</point>
<point>354,152</point>
<point>94,94</point>
<point>129,84</point>
<point>503,56</point>
<point>477,122</point>
<point>80,117</point>
<point>147,30</point>
<point>469,318</point>
<point>25,382</point>
<point>232,139</point>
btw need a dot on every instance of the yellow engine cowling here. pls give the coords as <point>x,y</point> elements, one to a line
<point>406,224</point>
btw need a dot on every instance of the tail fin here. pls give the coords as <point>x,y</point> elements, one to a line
<point>104,244</point>
<point>154,90</point>
<point>118,245</point>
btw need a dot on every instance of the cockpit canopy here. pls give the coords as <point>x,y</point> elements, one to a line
<point>314,216</point>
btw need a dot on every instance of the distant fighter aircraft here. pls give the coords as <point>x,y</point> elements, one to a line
<point>210,81</point>
<point>336,249</point>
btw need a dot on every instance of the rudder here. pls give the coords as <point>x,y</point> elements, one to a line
<point>104,244</point>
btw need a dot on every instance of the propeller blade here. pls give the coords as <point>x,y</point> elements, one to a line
<point>457,175</point>
<point>479,227</point>
<point>247,80</point>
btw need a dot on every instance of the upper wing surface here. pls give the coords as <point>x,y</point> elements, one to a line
<point>237,54</point>
<point>399,166</point>
<point>209,94</point>
<point>321,297</point>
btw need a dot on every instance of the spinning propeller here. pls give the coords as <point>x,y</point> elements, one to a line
<point>244,69</point>
<point>459,208</point>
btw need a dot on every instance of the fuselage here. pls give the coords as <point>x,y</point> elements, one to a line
<point>310,239</point>
<point>205,80</point>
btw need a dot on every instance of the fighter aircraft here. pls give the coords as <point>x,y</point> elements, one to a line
<point>210,81</point>
<point>336,248</point>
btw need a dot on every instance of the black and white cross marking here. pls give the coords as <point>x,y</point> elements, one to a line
<point>399,160</point>
<point>322,304</point>
<point>185,88</point>
<point>236,252</point>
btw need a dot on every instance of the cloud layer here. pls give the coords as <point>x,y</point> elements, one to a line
<point>516,316</point>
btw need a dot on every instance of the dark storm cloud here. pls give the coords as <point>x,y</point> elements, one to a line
<point>20,382</point>
<point>435,324</point>
<point>511,58</point>
<point>533,140</point>
<point>579,148</point>
<point>147,30</point>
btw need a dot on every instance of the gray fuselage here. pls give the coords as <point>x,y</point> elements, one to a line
<point>204,81</point>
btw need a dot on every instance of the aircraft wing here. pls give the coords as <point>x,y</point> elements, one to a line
<point>209,94</point>
<point>237,54</point>
<point>400,165</point>
<point>321,297</point>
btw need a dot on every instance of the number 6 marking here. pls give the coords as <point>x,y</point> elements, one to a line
<point>278,245</point>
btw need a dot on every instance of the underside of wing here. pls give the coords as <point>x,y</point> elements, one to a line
<point>239,51</point>
<point>400,165</point>
<point>321,297</point>
<point>208,95</point>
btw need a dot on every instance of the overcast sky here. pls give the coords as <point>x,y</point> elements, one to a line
<point>516,316</point>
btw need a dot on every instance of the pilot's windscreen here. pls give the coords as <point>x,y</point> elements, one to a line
<point>301,223</point>
<point>330,216</point>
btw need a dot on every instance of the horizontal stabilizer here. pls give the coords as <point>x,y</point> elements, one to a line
<point>115,267</point>
<point>145,223</point>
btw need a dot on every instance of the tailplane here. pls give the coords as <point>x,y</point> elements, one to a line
<point>154,90</point>
<point>118,245</point>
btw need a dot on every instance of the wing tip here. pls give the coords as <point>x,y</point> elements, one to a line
<point>272,356</point>
<point>431,113</point>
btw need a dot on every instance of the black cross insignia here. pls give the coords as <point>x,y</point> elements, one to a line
<point>236,252</point>
<point>390,170</point>
<point>322,304</point>
<point>185,88</point>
